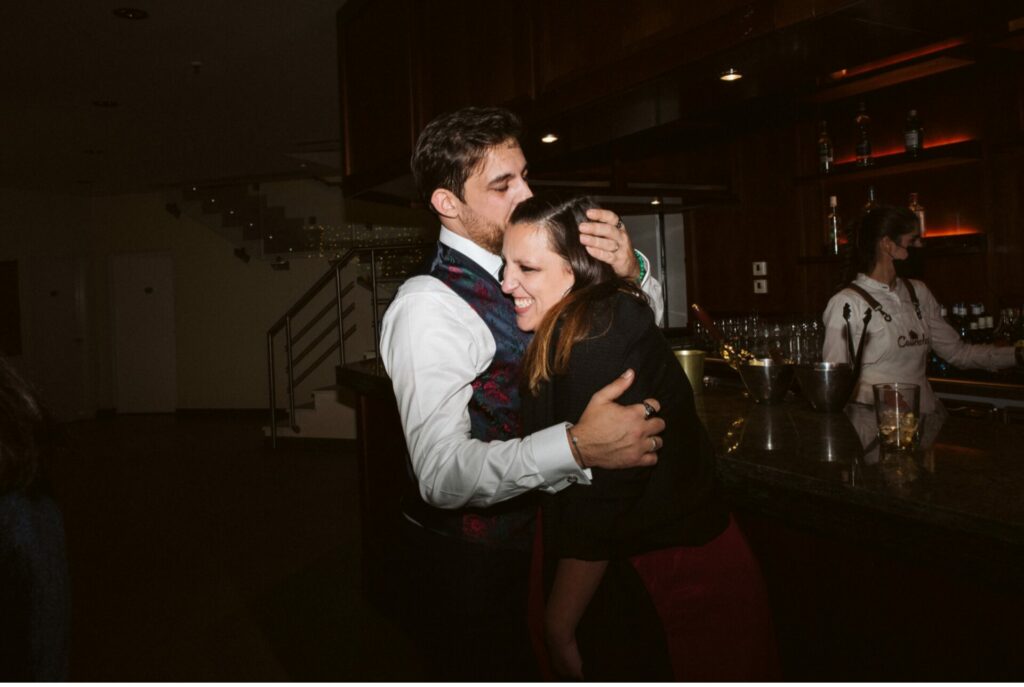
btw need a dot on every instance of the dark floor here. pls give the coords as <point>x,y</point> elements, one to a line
<point>198,553</point>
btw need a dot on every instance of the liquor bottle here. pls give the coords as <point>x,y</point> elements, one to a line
<point>918,210</point>
<point>833,230</point>
<point>826,156</point>
<point>960,319</point>
<point>872,203</point>
<point>863,122</point>
<point>982,336</point>
<point>913,134</point>
<point>1003,331</point>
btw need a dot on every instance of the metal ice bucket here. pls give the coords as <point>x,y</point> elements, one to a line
<point>766,380</point>
<point>826,386</point>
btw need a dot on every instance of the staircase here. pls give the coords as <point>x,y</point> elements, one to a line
<point>367,264</point>
<point>317,327</point>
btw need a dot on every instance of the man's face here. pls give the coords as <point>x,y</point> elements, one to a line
<point>492,192</point>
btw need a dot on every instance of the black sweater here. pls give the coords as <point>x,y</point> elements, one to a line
<point>625,512</point>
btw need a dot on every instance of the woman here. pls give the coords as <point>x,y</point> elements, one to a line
<point>906,322</point>
<point>649,577</point>
<point>33,569</point>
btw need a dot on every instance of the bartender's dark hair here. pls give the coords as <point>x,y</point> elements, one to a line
<point>451,147</point>
<point>595,281</point>
<point>870,228</point>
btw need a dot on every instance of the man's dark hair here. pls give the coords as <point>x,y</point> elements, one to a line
<point>451,147</point>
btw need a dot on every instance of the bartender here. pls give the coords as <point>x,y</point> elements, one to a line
<point>905,323</point>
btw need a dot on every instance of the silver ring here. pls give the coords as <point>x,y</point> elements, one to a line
<point>649,410</point>
<point>618,225</point>
<point>654,445</point>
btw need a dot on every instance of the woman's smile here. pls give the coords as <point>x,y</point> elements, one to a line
<point>535,276</point>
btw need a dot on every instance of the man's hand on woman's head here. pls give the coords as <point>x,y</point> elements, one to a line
<point>606,239</point>
<point>614,436</point>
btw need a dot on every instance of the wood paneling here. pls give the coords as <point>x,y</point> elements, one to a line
<point>474,53</point>
<point>375,40</point>
<point>779,212</point>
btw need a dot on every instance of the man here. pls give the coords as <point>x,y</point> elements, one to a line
<point>451,347</point>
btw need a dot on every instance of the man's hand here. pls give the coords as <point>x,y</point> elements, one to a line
<point>613,436</point>
<point>606,239</point>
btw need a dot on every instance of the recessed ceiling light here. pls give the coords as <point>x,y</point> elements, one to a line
<point>130,13</point>
<point>730,74</point>
<point>656,201</point>
<point>105,103</point>
<point>549,138</point>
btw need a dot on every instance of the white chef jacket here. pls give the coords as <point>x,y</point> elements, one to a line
<point>433,345</point>
<point>897,351</point>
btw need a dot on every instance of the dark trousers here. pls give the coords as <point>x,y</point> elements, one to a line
<point>466,606</point>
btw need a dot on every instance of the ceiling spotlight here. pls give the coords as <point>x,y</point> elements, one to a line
<point>656,201</point>
<point>730,74</point>
<point>549,138</point>
<point>130,13</point>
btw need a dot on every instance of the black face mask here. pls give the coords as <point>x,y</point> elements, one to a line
<point>913,266</point>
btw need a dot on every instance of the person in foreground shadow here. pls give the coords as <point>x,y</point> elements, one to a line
<point>34,604</point>
<point>649,578</point>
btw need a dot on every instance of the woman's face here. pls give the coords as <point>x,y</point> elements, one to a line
<point>898,249</point>
<point>535,276</point>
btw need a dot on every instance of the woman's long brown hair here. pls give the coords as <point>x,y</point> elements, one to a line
<point>595,281</point>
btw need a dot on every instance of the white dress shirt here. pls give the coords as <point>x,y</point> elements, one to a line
<point>433,345</point>
<point>897,351</point>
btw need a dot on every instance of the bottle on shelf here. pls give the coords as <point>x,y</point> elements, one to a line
<point>834,236</point>
<point>863,122</point>
<point>960,318</point>
<point>976,323</point>
<point>826,154</point>
<point>913,134</point>
<point>917,209</point>
<point>1004,329</point>
<point>872,203</point>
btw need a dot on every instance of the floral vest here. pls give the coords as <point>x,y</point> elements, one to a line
<point>493,408</point>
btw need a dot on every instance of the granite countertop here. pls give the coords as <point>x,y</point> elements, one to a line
<point>957,500</point>
<point>959,496</point>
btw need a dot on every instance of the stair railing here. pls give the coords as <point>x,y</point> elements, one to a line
<point>335,326</point>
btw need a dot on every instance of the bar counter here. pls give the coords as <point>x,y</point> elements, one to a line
<point>878,566</point>
<point>958,500</point>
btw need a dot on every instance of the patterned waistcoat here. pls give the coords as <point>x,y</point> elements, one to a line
<point>493,408</point>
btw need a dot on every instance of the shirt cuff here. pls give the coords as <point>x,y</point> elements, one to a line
<point>645,266</point>
<point>554,458</point>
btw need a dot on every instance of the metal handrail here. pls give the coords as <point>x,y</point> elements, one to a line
<point>284,323</point>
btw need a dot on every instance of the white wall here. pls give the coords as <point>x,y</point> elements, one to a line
<point>223,307</point>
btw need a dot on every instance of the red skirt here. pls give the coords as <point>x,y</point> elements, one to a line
<point>712,604</point>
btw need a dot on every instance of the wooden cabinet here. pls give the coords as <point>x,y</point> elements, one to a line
<point>376,48</point>
<point>402,62</point>
<point>477,53</point>
<point>953,177</point>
